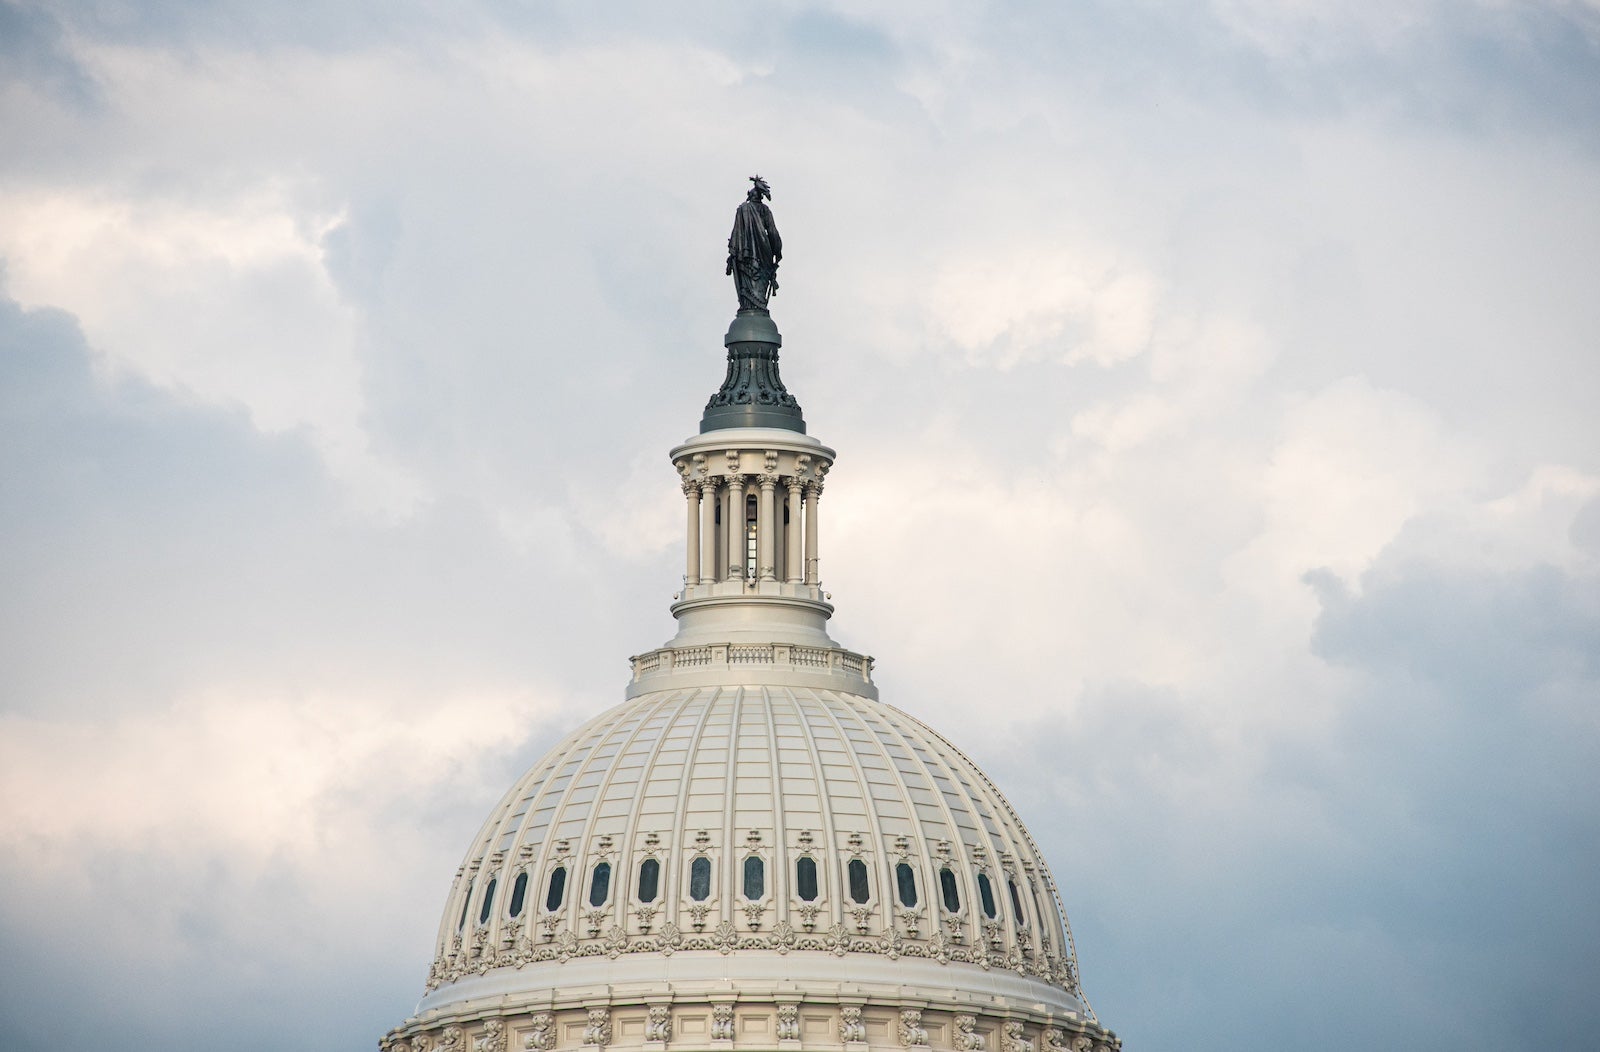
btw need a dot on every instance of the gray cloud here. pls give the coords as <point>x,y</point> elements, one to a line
<point>1123,320</point>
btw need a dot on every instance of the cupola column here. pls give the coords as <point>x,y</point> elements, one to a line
<point>791,546</point>
<point>708,531</point>
<point>735,524</point>
<point>766,565</point>
<point>691,572</point>
<point>813,499</point>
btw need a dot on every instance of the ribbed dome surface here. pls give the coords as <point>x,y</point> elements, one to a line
<point>913,852</point>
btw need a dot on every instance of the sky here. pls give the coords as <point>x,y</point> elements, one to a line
<point>1213,386</point>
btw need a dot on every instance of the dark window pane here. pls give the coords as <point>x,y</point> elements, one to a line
<point>700,879</point>
<point>1016,905</point>
<point>600,884</point>
<point>805,878</point>
<point>858,881</point>
<point>466,904</point>
<point>947,885</point>
<point>488,902</point>
<point>986,893</point>
<point>649,879</point>
<point>558,889</point>
<point>906,882</point>
<point>755,878</point>
<point>519,891</point>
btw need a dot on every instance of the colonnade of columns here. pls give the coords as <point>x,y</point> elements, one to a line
<point>728,491</point>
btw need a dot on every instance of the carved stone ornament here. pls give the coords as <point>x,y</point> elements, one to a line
<point>722,1022</point>
<point>1082,1043</point>
<point>1014,1041</point>
<point>788,1022</point>
<point>598,1030</point>
<point>420,1043</point>
<point>493,1038</point>
<point>912,1032</point>
<point>851,1028</point>
<point>450,1040</point>
<point>967,1037</point>
<point>659,1025</point>
<point>1055,1039</point>
<point>542,1037</point>
<point>796,927</point>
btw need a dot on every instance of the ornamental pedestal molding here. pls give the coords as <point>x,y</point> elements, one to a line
<point>822,1024</point>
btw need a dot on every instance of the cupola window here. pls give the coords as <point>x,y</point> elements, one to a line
<point>488,902</point>
<point>519,892</point>
<point>1016,905</point>
<point>755,878</point>
<point>466,904</point>
<point>649,880</point>
<point>986,893</point>
<point>600,884</point>
<point>947,888</point>
<point>556,894</point>
<point>750,518</point>
<point>906,884</point>
<point>805,878</point>
<point>700,879</point>
<point>859,891</point>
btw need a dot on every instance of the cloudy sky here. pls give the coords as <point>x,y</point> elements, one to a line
<point>1214,386</point>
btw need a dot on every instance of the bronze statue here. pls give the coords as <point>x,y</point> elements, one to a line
<point>754,249</point>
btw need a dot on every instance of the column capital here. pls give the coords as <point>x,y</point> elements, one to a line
<point>691,487</point>
<point>769,480</point>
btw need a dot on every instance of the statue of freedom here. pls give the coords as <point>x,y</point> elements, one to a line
<point>754,249</point>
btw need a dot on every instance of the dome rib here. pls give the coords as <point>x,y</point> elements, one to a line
<point>943,801</point>
<point>875,832</point>
<point>778,871</point>
<point>676,851</point>
<point>833,886</point>
<point>998,802</point>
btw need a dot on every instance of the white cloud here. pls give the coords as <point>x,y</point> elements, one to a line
<point>1037,304</point>
<point>249,775</point>
<point>227,302</point>
<point>1354,464</point>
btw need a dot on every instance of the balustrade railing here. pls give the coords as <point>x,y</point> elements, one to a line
<point>745,655</point>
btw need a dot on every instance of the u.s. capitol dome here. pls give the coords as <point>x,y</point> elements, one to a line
<point>752,851</point>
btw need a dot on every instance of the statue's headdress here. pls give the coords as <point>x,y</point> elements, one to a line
<point>761,187</point>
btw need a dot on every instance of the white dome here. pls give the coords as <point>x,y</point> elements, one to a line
<point>752,852</point>
<point>753,780</point>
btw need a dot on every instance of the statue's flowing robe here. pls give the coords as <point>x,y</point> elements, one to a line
<point>754,249</point>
